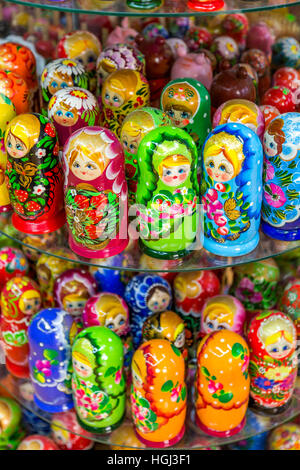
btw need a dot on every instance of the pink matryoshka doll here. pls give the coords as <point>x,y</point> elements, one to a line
<point>61,426</point>
<point>95,193</point>
<point>273,361</point>
<point>20,300</point>
<point>71,109</point>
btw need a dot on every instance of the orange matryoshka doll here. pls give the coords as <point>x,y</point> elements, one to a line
<point>20,60</point>
<point>222,383</point>
<point>16,89</point>
<point>158,394</point>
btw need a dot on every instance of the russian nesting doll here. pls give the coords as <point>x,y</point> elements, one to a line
<point>269,112</point>
<point>242,111</point>
<point>222,312</point>
<point>34,174</point>
<point>12,263</point>
<point>255,284</point>
<point>135,126</point>
<point>71,109</point>
<point>122,92</point>
<point>287,77</point>
<point>20,60</point>
<point>48,268</point>
<point>191,289</point>
<point>285,437</point>
<point>61,426</point>
<point>146,294</point>
<point>37,442</point>
<point>50,359</point>
<point>222,383</point>
<point>33,245</point>
<point>281,97</point>
<point>95,193</point>
<point>158,394</point>
<point>61,73</point>
<point>273,361</point>
<point>281,195</point>
<point>286,52</point>
<point>10,424</point>
<point>20,300</point>
<point>260,63</point>
<point>98,383</point>
<point>289,301</point>
<point>226,50</point>
<point>7,113</point>
<point>187,103</point>
<point>167,191</point>
<point>16,89</point>
<point>110,310</point>
<point>232,190</point>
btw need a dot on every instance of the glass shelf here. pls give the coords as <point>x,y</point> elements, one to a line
<point>194,438</point>
<point>168,7</point>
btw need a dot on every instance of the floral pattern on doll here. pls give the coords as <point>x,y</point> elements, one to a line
<point>117,57</point>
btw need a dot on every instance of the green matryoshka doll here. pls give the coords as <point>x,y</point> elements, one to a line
<point>167,192</point>
<point>98,383</point>
<point>135,126</point>
<point>187,103</point>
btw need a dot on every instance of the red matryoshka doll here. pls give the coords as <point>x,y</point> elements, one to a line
<point>37,442</point>
<point>61,426</point>
<point>273,361</point>
<point>16,89</point>
<point>34,174</point>
<point>222,383</point>
<point>12,263</point>
<point>260,63</point>
<point>158,394</point>
<point>84,47</point>
<point>20,60</point>
<point>122,92</point>
<point>280,97</point>
<point>206,5</point>
<point>71,109</point>
<point>95,193</point>
<point>222,312</point>
<point>287,77</point>
<point>20,300</point>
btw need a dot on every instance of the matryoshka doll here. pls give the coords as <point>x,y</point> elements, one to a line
<point>34,174</point>
<point>168,215</point>
<point>222,383</point>
<point>110,310</point>
<point>242,111</point>
<point>50,359</point>
<point>33,245</point>
<point>16,89</point>
<point>49,267</point>
<point>71,109</point>
<point>286,52</point>
<point>232,190</point>
<point>12,263</point>
<point>37,442</point>
<point>191,289</point>
<point>281,196</point>
<point>226,51</point>
<point>122,92</point>
<point>158,394</point>
<point>95,193</point>
<point>281,97</point>
<point>255,284</point>
<point>260,63</point>
<point>61,73</point>
<point>273,361</point>
<point>98,383</point>
<point>7,113</point>
<point>19,59</point>
<point>135,126</point>
<point>269,112</point>
<point>146,294</point>
<point>187,104</point>
<point>222,312</point>
<point>84,47</point>
<point>20,301</point>
<point>285,437</point>
<point>61,426</point>
<point>10,424</point>
<point>289,302</point>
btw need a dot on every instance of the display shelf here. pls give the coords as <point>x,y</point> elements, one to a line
<point>194,438</point>
<point>167,8</point>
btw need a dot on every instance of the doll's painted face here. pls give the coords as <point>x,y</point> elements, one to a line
<point>88,59</point>
<point>31,305</point>
<point>15,147</point>
<point>210,325</point>
<point>158,300</point>
<point>180,340</point>
<point>175,175</point>
<point>219,168</point>
<point>113,98</point>
<point>58,435</point>
<point>65,117</point>
<point>85,168</point>
<point>180,118</point>
<point>130,144</point>
<point>74,306</point>
<point>117,324</point>
<point>270,146</point>
<point>44,276</point>
<point>58,81</point>
<point>81,368</point>
<point>280,348</point>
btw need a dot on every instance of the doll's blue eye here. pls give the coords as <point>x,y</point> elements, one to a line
<point>169,172</point>
<point>184,115</point>
<point>28,307</point>
<point>59,113</point>
<point>116,99</point>
<point>107,96</point>
<point>54,85</point>
<point>181,171</point>
<point>110,326</point>
<point>64,85</point>
<point>131,147</point>
<point>274,350</point>
<point>9,145</point>
<point>125,143</point>
<point>19,147</point>
<point>91,59</point>
<point>121,322</point>
<point>271,145</point>
<point>37,302</point>
<point>171,113</point>
<point>220,327</point>
<point>211,164</point>
<point>76,165</point>
<point>285,348</point>
<point>210,325</point>
<point>69,114</point>
<point>222,167</point>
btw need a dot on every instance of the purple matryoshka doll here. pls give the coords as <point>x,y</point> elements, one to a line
<point>50,359</point>
<point>95,193</point>
<point>71,109</point>
<point>281,187</point>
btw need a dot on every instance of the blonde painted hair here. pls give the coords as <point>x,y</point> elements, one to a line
<point>220,312</point>
<point>82,358</point>
<point>122,82</point>
<point>110,306</point>
<point>25,127</point>
<point>229,145</point>
<point>137,123</point>
<point>28,295</point>
<point>94,149</point>
<point>171,161</point>
<point>242,113</point>
<point>275,328</point>
<point>187,284</point>
<point>79,42</point>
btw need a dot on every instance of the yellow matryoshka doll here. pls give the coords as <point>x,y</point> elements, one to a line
<point>7,113</point>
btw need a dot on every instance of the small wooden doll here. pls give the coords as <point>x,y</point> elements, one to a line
<point>20,301</point>
<point>146,294</point>
<point>285,437</point>
<point>16,89</point>
<point>187,104</point>
<point>273,361</point>
<point>98,383</point>
<point>110,310</point>
<point>13,263</point>
<point>61,426</point>
<point>50,359</point>
<point>236,26</point>
<point>287,77</point>
<point>7,113</point>
<point>158,394</point>
<point>281,97</point>
<point>289,302</point>
<point>222,312</point>
<point>168,193</point>
<point>286,53</point>
<point>122,92</point>
<point>35,244</point>
<point>10,424</point>
<point>232,190</point>
<point>222,383</point>
<point>37,442</point>
<point>20,60</point>
<point>281,196</point>
<point>135,126</point>
<point>226,50</point>
<point>34,174</point>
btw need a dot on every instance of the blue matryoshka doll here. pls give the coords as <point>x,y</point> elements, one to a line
<point>281,178</point>
<point>114,280</point>
<point>50,359</point>
<point>146,294</point>
<point>232,190</point>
